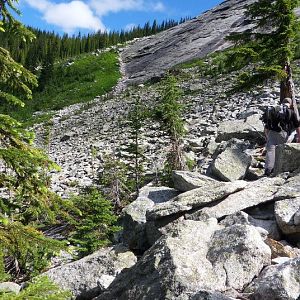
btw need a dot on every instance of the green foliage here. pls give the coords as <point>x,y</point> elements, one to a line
<point>28,248</point>
<point>169,113</point>
<point>115,181</point>
<point>88,76</point>
<point>191,164</point>
<point>95,225</point>
<point>41,288</point>
<point>26,203</point>
<point>269,46</point>
<point>138,114</point>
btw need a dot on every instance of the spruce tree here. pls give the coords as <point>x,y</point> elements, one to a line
<point>268,47</point>
<point>25,200</point>
<point>169,114</point>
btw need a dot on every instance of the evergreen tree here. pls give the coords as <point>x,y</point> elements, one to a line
<point>95,225</point>
<point>269,46</point>
<point>47,70</point>
<point>137,116</point>
<point>25,200</point>
<point>169,114</point>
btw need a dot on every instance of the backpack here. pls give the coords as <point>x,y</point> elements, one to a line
<point>278,118</point>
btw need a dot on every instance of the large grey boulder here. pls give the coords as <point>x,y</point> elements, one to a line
<point>238,254</point>
<point>174,265</point>
<point>285,211</point>
<point>192,257</point>
<point>278,282</point>
<point>258,192</point>
<point>250,128</point>
<point>290,189</point>
<point>152,56</point>
<point>287,158</point>
<point>267,228</point>
<point>213,191</point>
<point>134,215</point>
<point>232,163</point>
<point>92,274</point>
<point>185,181</point>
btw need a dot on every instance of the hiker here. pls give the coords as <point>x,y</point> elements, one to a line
<point>277,131</point>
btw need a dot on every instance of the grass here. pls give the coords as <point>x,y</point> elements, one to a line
<point>80,82</point>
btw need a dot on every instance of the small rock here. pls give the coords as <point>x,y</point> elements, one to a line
<point>10,287</point>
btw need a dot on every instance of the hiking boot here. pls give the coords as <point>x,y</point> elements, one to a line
<point>268,172</point>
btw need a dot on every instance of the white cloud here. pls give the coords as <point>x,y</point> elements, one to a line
<point>159,6</point>
<point>87,14</point>
<point>68,16</point>
<point>41,5</point>
<point>75,14</point>
<point>104,7</point>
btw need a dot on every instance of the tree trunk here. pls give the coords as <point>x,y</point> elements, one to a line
<point>287,88</point>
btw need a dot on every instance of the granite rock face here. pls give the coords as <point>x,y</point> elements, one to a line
<point>152,56</point>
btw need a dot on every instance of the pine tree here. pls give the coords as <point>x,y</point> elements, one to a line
<point>25,200</point>
<point>169,114</point>
<point>268,47</point>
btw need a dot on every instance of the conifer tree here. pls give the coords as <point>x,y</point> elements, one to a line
<point>269,46</point>
<point>25,200</point>
<point>169,114</point>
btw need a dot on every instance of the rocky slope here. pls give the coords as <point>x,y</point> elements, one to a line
<point>223,232</point>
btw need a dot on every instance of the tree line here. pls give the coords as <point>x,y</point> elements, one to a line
<point>52,46</point>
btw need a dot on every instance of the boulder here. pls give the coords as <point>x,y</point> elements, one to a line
<point>238,254</point>
<point>297,218</point>
<point>209,295</point>
<point>192,257</point>
<point>253,194</point>
<point>285,211</point>
<point>92,274</point>
<point>213,191</point>
<point>185,181</point>
<point>134,215</point>
<point>287,158</point>
<point>232,163</point>
<point>174,265</point>
<point>9,287</point>
<point>267,228</point>
<point>250,128</point>
<point>278,282</point>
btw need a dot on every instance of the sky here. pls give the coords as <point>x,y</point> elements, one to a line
<point>88,16</point>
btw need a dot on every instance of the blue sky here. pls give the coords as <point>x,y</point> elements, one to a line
<point>72,16</point>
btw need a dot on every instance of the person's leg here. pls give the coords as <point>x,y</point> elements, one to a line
<point>274,139</point>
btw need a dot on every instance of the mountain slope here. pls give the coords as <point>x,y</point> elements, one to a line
<point>152,56</point>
